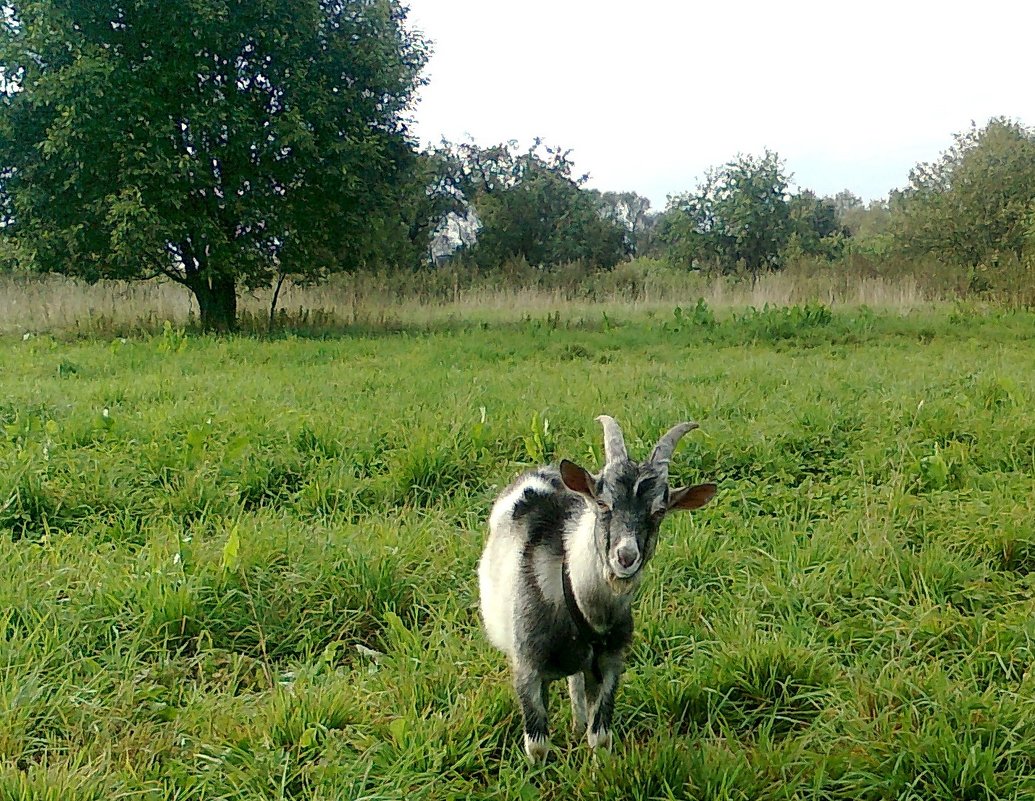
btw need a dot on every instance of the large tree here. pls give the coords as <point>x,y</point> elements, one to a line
<point>739,214</point>
<point>975,202</point>
<point>219,143</point>
<point>531,205</point>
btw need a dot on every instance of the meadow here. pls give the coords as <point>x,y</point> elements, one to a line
<point>245,567</point>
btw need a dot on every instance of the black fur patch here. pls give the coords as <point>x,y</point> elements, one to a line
<point>544,516</point>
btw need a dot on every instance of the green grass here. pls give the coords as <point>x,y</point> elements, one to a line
<point>245,568</point>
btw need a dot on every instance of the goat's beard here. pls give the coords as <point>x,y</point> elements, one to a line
<point>623,586</point>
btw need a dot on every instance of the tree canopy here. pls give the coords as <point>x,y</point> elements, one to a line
<point>216,142</point>
<point>816,228</point>
<point>974,203</point>
<point>531,206</point>
<point>740,214</point>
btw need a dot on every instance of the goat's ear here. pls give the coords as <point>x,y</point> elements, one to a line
<point>690,497</point>
<point>576,478</point>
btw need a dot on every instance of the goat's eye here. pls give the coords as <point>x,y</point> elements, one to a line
<point>602,506</point>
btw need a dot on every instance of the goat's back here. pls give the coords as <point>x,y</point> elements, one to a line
<point>524,550</point>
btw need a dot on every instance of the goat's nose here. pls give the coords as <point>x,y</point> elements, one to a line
<point>627,555</point>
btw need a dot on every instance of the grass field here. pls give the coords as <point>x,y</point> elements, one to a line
<point>244,568</point>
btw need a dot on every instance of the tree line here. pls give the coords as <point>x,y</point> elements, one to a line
<point>229,145</point>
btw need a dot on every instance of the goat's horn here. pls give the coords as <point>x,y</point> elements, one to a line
<point>614,442</point>
<point>662,452</point>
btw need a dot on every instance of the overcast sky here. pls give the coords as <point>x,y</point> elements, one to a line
<point>649,94</point>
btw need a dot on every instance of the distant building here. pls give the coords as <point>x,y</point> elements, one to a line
<point>454,233</point>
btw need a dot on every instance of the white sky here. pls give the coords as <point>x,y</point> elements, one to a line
<point>649,94</point>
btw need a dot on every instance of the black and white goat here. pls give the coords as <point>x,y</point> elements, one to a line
<point>565,553</point>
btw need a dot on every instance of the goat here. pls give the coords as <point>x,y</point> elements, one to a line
<point>564,556</point>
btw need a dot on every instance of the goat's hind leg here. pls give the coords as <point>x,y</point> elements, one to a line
<point>531,689</point>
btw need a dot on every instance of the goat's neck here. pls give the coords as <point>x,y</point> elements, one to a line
<point>600,603</point>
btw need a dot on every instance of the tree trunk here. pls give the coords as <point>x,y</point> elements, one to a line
<point>754,275</point>
<point>217,303</point>
<point>273,303</point>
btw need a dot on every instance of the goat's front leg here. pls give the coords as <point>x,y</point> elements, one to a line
<point>532,693</point>
<point>579,708</point>
<point>601,697</point>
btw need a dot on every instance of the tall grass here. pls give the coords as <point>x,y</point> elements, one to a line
<point>387,301</point>
<point>237,568</point>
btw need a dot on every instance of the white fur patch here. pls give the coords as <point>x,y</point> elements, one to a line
<point>497,575</point>
<point>536,749</point>
<point>583,564</point>
<point>602,740</point>
<point>498,570</point>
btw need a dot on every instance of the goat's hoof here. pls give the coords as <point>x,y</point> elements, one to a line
<point>600,740</point>
<point>536,748</point>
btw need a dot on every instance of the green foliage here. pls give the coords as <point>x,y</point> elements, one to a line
<point>865,223</point>
<point>540,445</point>
<point>217,144</point>
<point>255,576</point>
<point>976,204</point>
<point>531,207</point>
<point>425,197</point>
<point>740,214</point>
<point>783,322</point>
<point>700,316</point>
<point>815,229</point>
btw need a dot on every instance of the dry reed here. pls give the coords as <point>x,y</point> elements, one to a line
<point>55,303</point>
